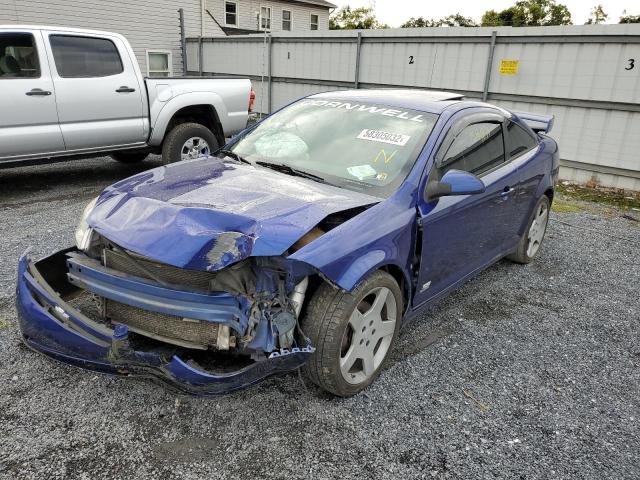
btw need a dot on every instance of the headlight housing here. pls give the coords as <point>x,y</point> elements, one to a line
<point>83,232</point>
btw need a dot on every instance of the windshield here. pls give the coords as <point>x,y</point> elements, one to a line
<point>364,147</point>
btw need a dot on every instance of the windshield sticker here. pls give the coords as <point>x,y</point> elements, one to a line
<point>362,171</point>
<point>382,155</point>
<point>359,107</point>
<point>384,137</point>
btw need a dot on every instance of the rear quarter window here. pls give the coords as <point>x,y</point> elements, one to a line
<point>519,140</point>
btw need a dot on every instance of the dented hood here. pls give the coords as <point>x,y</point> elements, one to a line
<point>205,214</point>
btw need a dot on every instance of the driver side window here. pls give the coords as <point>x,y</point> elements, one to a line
<point>477,149</point>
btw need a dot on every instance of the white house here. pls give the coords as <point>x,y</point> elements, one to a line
<point>236,17</point>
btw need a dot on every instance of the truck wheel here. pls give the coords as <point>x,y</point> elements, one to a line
<point>534,234</point>
<point>353,333</point>
<point>187,141</point>
<point>129,157</point>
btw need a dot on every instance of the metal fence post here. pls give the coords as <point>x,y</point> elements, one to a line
<point>358,48</point>
<point>200,56</point>
<point>183,42</point>
<point>270,83</point>
<point>487,74</point>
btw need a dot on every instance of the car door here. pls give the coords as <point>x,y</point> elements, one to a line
<point>98,92</point>
<point>28,116</point>
<point>463,233</point>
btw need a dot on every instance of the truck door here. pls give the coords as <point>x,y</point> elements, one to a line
<point>28,117</point>
<point>98,91</point>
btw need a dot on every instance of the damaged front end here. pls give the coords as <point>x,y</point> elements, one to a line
<point>114,311</point>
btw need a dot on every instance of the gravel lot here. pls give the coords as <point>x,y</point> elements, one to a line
<point>529,372</point>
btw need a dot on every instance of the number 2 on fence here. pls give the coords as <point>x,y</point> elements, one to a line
<point>411,62</point>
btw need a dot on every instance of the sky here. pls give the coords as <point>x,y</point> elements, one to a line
<point>396,12</point>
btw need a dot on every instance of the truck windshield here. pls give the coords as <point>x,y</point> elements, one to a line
<point>364,147</point>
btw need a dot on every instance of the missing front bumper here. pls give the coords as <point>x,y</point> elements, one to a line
<point>51,326</point>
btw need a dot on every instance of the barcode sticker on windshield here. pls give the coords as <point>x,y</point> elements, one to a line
<point>384,137</point>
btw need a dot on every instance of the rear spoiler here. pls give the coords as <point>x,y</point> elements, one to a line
<point>538,123</point>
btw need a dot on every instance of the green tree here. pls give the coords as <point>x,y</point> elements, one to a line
<point>347,18</point>
<point>529,13</point>
<point>456,20</point>
<point>419,23</point>
<point>597,16</point>
<point>629,18</point>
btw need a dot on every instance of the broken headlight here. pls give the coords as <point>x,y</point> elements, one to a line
<point>83,232</point>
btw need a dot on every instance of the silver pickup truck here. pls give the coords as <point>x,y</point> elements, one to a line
<point>68,93</point>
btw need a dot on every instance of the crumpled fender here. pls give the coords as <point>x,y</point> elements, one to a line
<point>380,236</point>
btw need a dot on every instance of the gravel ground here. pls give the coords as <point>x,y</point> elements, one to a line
<point>529,372</point>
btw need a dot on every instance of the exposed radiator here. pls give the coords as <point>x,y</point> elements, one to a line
<point>167,328</point>
<point>172,275</point>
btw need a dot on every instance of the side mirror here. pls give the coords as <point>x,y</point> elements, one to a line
<point>454,182</point>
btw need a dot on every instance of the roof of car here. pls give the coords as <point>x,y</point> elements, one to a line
<point>415,99</point>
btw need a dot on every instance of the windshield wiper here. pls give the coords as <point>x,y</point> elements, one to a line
<point>236,157</point>
<point>281,167</point>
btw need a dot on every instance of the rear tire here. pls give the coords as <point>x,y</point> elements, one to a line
<point>129,157</point>
<point>187,141</point>
<point>533,235</point>
<point>353,333</point>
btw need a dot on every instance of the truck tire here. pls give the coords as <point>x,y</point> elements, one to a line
<point>129,157</point>
<point>187,141</point>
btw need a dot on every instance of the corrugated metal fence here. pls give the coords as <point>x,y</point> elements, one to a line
<point>587,76</point>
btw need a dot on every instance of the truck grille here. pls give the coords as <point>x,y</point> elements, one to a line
<point>169,274</point>
<point>167,328</point>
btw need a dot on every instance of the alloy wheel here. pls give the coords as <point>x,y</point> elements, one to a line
<point>537,229</point>
<point>368,335</point>
<point>195,147</point>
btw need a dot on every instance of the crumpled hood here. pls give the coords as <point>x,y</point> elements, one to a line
<point>205,214</point>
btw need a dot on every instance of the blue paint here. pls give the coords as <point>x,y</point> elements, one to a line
<point>206,215</point>
<point>462,183</point>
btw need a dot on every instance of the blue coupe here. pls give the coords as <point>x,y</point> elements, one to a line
<point>306,241</point>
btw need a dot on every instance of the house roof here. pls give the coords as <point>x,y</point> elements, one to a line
<point>319,3</point>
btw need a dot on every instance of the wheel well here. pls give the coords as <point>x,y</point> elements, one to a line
<point>205,115</point>
<point>396,272</point>
<point>549,193</point>
<point>398,276</point>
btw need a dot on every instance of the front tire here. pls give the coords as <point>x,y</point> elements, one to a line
<point>187,141</point>
<point>353,333</point>
<point>129,157</point>
<point>534,234</point>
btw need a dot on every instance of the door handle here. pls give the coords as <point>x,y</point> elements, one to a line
<point>38,92</point>
<point>507,191</point>
<point>125,89</point>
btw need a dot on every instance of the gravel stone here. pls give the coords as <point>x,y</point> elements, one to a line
<point>526,371</point>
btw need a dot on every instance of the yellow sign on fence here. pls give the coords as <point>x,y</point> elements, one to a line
<point>509,67</point>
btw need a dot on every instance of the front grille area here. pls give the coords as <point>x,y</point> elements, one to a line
<point>171,275</point>
<point>168,328</point>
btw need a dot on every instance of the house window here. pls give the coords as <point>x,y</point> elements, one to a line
<point>314,22</point>
<point>286,20</point>
<point>265,18</point>
<point>159,64</point>
<point>231,13</point>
